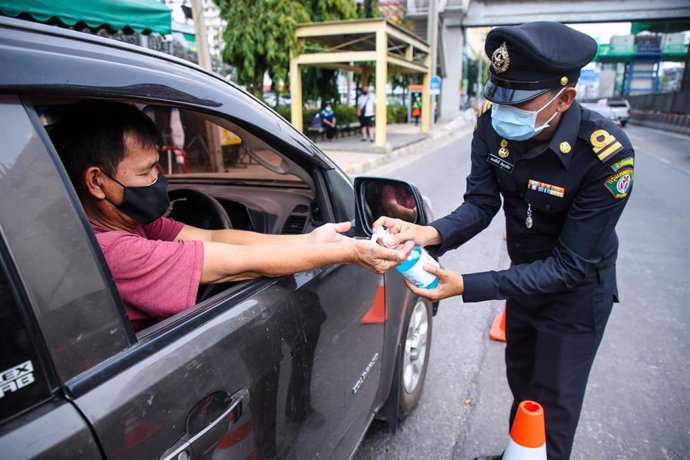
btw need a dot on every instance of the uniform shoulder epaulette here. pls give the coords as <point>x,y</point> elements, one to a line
<point>485,108</point>
<point>606,141</point>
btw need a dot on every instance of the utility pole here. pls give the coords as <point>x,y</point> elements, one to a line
<point>201,34</point>
<point>432,38</point>
<point>212,131</point>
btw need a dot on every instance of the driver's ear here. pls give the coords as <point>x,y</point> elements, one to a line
<point>93,180</point>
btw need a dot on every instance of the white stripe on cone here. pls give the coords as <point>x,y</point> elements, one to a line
<point>514,451</point>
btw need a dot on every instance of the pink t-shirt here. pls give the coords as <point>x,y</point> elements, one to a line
<point>156,276</point>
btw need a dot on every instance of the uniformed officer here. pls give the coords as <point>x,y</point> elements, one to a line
<point>565,174</point>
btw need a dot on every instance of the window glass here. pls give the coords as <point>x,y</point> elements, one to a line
<point>196,146</point>
<point>22,382</point>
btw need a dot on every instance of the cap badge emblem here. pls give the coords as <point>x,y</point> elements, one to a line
<point>500,60</point>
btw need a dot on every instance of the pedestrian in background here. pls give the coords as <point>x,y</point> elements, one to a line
<point>366,108</point>
<point>329,121</point>
<point>416,110</point>
<point>565,174</point>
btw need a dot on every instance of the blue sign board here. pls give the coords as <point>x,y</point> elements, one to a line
<point>435,87</point>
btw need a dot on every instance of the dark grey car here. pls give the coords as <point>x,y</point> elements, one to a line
<point>289,367</point>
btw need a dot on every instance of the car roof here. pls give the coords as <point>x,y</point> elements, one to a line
<point>47,60</point>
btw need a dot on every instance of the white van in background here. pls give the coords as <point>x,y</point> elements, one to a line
<point>620,107</point>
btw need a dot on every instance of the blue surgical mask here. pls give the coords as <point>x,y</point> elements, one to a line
<point>518,124</point>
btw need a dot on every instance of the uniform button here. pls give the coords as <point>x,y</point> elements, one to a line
<point>548,207</point>
<point>517,245</point>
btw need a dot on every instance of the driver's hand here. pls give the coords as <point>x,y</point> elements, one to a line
<point>450,284</point>
<point>329,233</point>
<point>377,258</point>
<point>403,231</point>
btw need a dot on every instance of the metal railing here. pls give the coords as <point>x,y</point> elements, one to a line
<point>676,102</point>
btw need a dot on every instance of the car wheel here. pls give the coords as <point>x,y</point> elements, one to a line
<point>414,356</point>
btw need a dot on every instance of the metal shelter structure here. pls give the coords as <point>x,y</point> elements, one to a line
<point>350,45</point>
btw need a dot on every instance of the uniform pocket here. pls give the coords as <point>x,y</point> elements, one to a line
<point>546,203</point>
<point>602,302</point>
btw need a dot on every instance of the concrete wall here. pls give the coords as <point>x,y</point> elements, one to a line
<point>672,122</point>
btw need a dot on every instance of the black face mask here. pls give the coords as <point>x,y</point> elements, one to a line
<point>145,204</point>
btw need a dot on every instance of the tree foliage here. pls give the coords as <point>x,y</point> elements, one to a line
<point>259,36</point>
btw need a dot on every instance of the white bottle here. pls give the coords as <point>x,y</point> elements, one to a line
<point>411,268</point>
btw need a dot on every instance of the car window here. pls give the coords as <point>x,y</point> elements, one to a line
<point>193,145</point>
<point>23,384</point>
<point>258,187</point>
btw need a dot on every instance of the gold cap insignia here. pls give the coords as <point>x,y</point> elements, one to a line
<point>500,60</point>
<point>503,152</point>
<point>565,147</point>
<point>504,143</point>
<point>564,80</point>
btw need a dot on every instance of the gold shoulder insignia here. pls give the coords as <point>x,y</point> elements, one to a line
<point>604,144</point>
<point>486,107</point>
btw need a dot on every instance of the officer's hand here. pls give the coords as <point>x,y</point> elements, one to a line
<point>402,231</point>
<point>450,284</point>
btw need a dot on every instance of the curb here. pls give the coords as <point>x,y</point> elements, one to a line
<point>457,127</point>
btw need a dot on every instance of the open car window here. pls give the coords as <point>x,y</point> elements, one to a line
<point>259,188</point>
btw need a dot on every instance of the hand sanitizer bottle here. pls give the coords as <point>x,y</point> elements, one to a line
<point>411,268</point>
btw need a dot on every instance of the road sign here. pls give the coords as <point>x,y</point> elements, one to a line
<point>435,87</point>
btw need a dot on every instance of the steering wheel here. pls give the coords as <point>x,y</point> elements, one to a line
<point>200,210</point>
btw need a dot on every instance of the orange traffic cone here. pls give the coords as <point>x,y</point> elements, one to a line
<point>527,439</point>
<point>377,313</point>
<point>498,327</point>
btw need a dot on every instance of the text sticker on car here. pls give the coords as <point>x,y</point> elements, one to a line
<point>16,377</point>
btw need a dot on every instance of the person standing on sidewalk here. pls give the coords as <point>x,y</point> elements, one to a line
<point>565,174</point>
<point>416,110</point>
<point>366,108</point>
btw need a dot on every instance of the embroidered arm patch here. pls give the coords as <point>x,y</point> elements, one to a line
<point>620,183</point>
<point>623,163</point>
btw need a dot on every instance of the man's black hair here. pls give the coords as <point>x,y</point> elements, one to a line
<point>94,134</point>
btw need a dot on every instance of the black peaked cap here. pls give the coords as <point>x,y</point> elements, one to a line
<point>529,59</point>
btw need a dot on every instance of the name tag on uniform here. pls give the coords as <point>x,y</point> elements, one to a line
<point>543,187</point>
<point>501,163</point>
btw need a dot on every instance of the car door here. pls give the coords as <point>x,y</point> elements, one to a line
<point>268,368</point>
<point>37,419</point>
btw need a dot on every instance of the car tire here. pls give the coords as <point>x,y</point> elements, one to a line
<point>415,346</point>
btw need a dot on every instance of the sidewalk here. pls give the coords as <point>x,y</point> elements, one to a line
<point>356,157</point>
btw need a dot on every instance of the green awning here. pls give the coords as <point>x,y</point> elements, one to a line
<point>130,15</point>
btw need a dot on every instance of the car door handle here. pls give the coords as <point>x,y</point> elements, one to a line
<point>201,437</point>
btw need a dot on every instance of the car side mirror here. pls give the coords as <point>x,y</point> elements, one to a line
<point>376,197</point>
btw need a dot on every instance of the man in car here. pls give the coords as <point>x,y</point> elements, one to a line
<point>110,151</point>
<point>565,174</point>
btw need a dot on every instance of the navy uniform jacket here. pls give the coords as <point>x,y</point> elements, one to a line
<point>576,186</point>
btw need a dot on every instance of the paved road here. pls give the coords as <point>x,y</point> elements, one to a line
<point>638,398</point>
